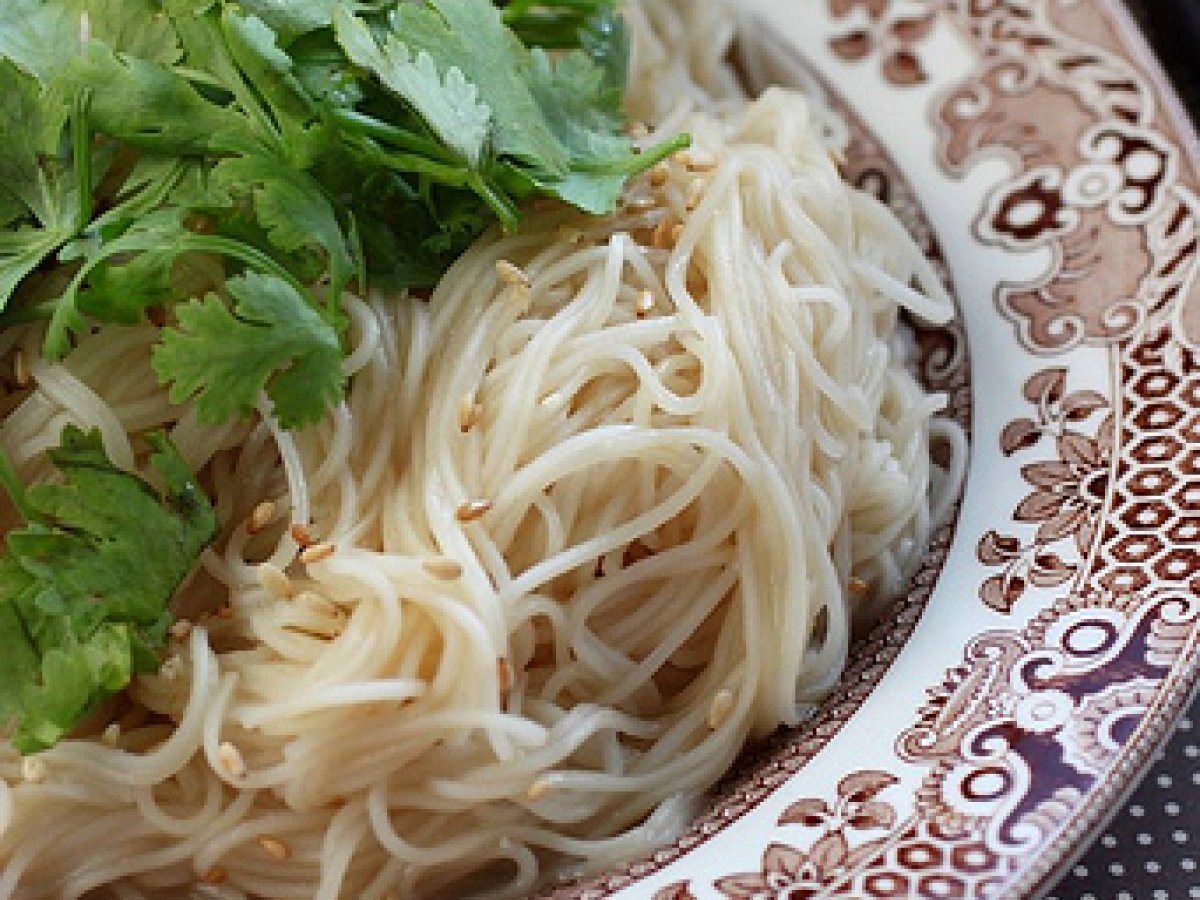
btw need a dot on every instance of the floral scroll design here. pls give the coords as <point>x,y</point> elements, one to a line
<point>1068,491</point>
<point>894,34</point>
<point>790,872</point>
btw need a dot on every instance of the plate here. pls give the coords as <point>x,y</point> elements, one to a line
<point>1003,709</point>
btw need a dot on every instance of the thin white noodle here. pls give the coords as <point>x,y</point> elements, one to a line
<point>583,546</point>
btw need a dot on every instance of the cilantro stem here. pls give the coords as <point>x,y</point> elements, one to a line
<point>11,483</point>
<point>498,201</point>
<point>647,160</point>
<point>399,138</point>
<point>81,148</point>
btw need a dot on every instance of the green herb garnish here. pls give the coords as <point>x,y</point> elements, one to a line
<point>84,585</point>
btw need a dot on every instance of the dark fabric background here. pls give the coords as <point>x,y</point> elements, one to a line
<point>1151,851</point>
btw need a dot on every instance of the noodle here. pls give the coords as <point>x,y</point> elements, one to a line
<point>589,519</point>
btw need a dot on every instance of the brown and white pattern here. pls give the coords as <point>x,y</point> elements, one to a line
<point>984,732</point>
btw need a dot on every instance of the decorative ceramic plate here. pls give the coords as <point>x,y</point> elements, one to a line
<point>1006,706</point>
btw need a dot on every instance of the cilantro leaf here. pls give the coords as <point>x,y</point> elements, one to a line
<point>147,105</point>
<point>290,20</point>
<point>272,340</point>
<point>38,194</point>
<point>292,208</point>
<point>85,585</point>
<point>448,104</point>
<point>470,36</point>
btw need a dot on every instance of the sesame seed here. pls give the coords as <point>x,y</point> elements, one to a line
<point>274,581</point>
<point>638,130</point>
<point>275,848</point>
<point>645,304</point>
<point>504,675</point>
<point>317,553</point>
<point>225,612</point>
<point>215,875</point>
<point>663,239</point>
<point>34,770</point>
<point>858,587</point>
<point>676,233</point>
<point>659,175</point>
<point>538,790</point>
<point>698,160</point>
<point>695,193</point>
<point>181,630</point>
<point>230,759</point>
<point>21,369</point>
<point>722,706</point>
<point>512,275</point>
<point>473,510</point>
<point>443,569</point>
<point>301,535</point>
<point>469,413</point>
<point>639,202</point>
<point>112,734</point>
<point>262,516</point>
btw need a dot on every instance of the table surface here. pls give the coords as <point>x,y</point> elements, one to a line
<point>1151,851</point>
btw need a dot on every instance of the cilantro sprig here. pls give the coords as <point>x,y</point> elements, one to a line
<point>227,169</point>
<point>84,585</point>
<point>316,143</point>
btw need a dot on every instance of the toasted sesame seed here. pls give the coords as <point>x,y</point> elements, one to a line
<point>512,275</point>
<point>112,734</point>
<point>659,175</point>
<point>663,239</point>
<point>698,160</point>
<point>443,569</point>
<point>538,789</point>
<point>676,233</point>
<point>695,193</point>
<point>275,848</point>
<point>317,553</point>
<point>274,581</point>
<point>858,587</point>
<point>722,706</point>
<point>215,875</point>
<point>469,413</point>
<point>230,759</point>
<point>645,304</point>
<point>261,516</point>
<point>33,770</point>
<point>473,510</point>
<point>181,630</point>
<point>638,130</point>
<point>639,202</point>
<point>301,535</point>
<point>504,675</point>
<point>225,612</point>
<point>21,369</point>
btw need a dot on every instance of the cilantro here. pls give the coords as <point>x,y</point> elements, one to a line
<point>272,340</point>
<point>259,153</point>
<point>85,585</point>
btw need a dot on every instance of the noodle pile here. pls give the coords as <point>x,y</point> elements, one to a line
<point>602,509</point>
